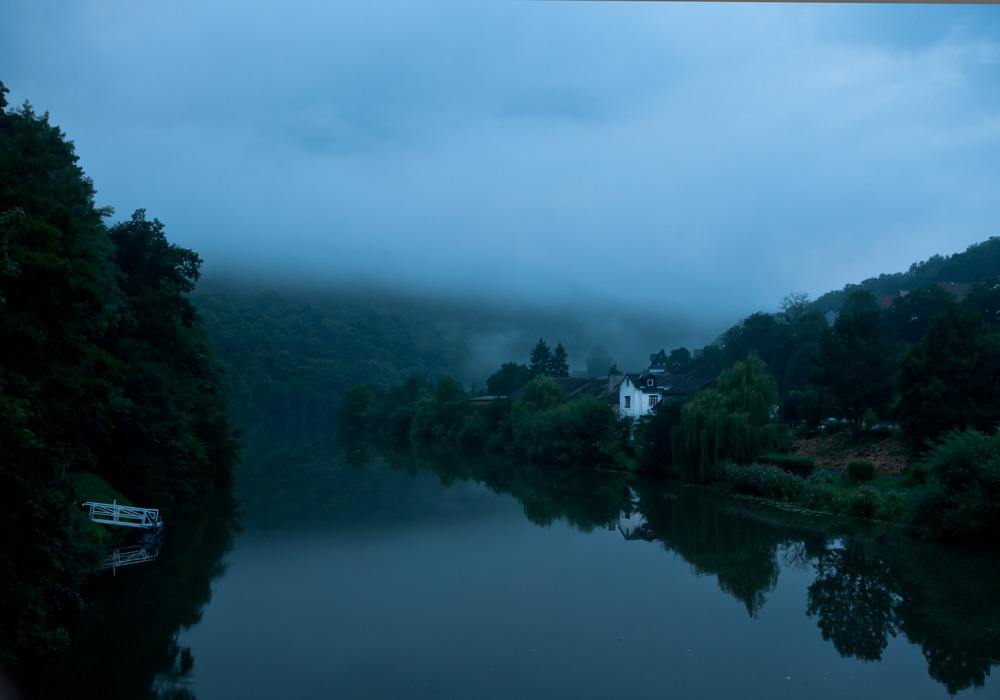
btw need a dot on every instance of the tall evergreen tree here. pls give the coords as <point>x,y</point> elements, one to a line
<point>559,364</point>
<point>541,358</point>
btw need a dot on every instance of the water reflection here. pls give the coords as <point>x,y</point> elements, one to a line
<point>143,550</point>
<point>870,583</point>
<point>125,645</point>
<point>854,597</point>
<point>866,588</point>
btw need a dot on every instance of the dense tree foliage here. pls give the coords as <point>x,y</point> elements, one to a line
<point>105,369</point>
<point>730,423</point>
<point>540,428</point>
<point>978,261</point>
<point>855,363</point>
<point>679,361</point>
<point>950,380</point>
<point>963,496</point>
<point>906,320</point>
<point>984,298</point>
<point>508,379</point>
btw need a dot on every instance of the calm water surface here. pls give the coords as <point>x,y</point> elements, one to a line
<point>387,583</point>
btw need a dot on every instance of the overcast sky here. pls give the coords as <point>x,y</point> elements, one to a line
<point>697,156</point>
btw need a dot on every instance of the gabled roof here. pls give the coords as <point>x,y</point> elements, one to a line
<point>689,385</point>
<point>601,388</point>
<point>661,381</point>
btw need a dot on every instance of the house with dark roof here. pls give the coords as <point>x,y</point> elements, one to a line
<point>640,394</point>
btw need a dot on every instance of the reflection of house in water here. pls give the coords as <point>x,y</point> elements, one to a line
<point>632,524</point>
<point>633,527</point>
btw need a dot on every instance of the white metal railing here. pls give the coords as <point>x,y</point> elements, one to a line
<point>127,516</point>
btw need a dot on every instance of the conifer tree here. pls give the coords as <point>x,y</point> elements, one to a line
<point>559,364</point>
<point>541,358</point>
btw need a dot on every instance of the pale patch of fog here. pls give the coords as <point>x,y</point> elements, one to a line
<point>593,336</point>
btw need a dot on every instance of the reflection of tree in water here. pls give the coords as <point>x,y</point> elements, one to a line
<point>950,609</point>
<point>715,538</point>
<point>585,498</point>
<point>873,587</point>
<point>942,598</point>
<point>125,647</point>
<point>854,596</point>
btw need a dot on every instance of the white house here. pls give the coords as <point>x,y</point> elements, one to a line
<point>640,394</point>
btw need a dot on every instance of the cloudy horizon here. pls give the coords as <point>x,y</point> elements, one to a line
<point>708,156</point>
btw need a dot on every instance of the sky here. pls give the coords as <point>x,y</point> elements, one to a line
<point>704,159</point>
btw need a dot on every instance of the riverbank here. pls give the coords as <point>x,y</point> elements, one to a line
<point>889,454</point>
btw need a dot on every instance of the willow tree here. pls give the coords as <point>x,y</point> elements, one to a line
<point>730,423</point>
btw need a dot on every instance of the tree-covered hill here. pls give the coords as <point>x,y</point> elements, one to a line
<point>978,261</point>
<point>105,369</point>
<point>293,351</point>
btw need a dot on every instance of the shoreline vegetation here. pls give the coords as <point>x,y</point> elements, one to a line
<point>898,393</point>
<point>727,438</point>
<point>109,386</point>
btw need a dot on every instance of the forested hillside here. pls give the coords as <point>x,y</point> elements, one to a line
<point>104,370</point>
<point>294,350</point>
<point>976,262</point>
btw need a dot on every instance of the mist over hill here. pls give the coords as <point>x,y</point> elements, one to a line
<point>293,349</point>
<point>361,332</point>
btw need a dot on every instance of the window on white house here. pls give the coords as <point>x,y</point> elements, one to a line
<point>653,399</point>
<point>649,382</point>
<point>628,402</point>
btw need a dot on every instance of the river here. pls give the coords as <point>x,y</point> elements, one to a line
<point>438,579</point>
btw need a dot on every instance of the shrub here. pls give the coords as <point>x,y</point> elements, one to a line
<point>761,480</point>
<point>865,503</point>
<point>860,470</point>
<point>816,493</point>
<point>800,465</point>
<point>778,484</point>
<point>919,473</point>
<point>962,499</point>
<point>890,507</point>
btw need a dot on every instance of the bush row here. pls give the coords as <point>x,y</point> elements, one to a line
<point>815,492</point>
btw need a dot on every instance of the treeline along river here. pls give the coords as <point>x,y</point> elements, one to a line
<point>426,577</point>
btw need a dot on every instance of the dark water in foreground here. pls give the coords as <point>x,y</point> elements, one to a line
<point>386,583</point>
